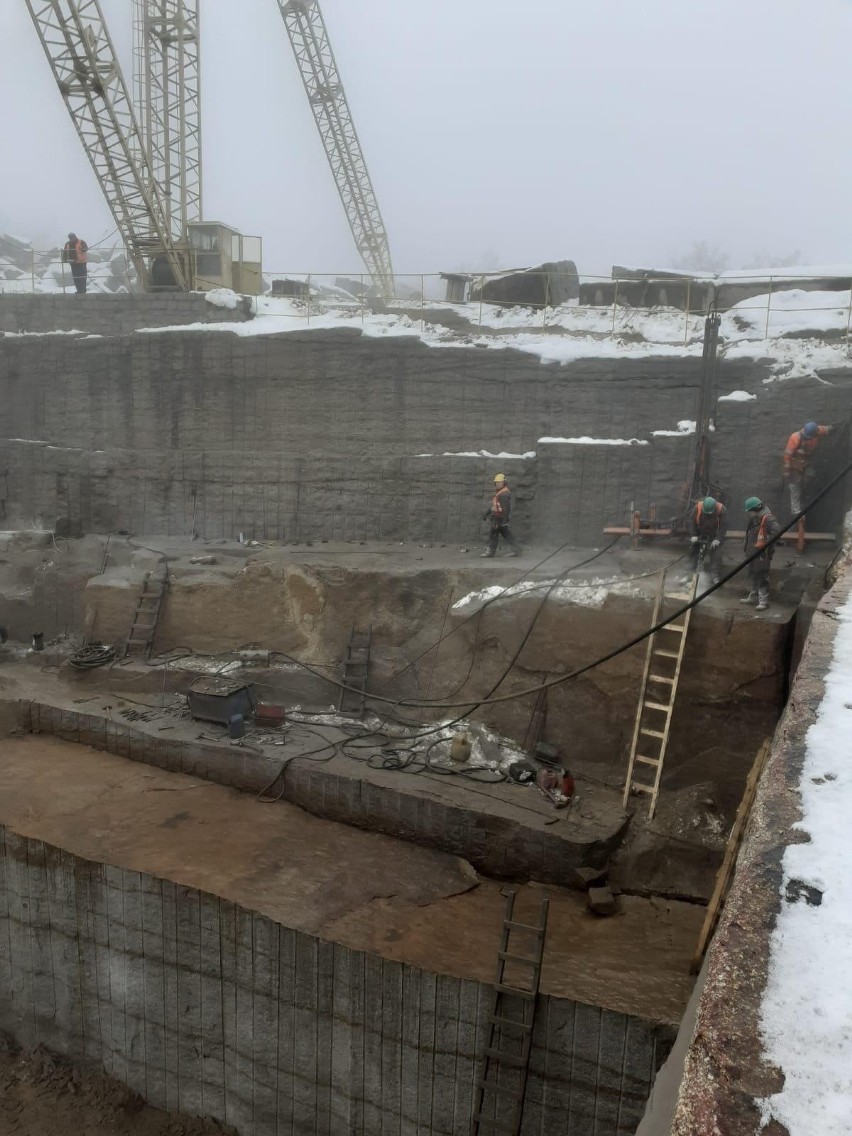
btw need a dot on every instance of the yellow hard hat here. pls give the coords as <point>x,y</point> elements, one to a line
<point>499,477</point>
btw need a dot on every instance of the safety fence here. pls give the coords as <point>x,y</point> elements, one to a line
<point>665,308</point>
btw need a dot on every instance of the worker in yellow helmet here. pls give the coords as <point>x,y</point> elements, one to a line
<point>499,513</point>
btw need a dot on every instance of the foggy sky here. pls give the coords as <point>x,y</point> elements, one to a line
<point>497,132</point>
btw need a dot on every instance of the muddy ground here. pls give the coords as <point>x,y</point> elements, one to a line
<point>42,1095</point>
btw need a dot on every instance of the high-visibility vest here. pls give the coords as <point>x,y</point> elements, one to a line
<point>799,448</point>
<point>80,252</point>
<point>761,538</point>
<point>497,504</point>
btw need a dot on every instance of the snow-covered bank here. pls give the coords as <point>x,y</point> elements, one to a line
<point>806,1018</point>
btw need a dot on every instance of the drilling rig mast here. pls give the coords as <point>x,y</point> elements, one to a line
<point>309,39</point>
<point>167,94</point>
<point>78,47</point>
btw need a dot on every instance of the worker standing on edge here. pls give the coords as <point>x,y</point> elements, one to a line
<point>798,470</point>
<point>74,254</point>
<point>762,527</point>
<point>708,528</point>
<point>500,515</point>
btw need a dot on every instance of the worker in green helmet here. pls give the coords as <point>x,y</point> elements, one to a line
<point>707,532</point>
<point>761,528</point>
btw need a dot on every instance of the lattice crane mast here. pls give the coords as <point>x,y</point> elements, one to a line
<point>309,39</point>
<point>167,95</point>
<point>78,47</point>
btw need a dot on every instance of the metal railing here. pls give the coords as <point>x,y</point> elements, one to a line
<point>534,302</point>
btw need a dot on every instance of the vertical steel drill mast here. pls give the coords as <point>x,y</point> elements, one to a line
<point>166,82</point>
<point>80,52</point>
<point>309,38</point>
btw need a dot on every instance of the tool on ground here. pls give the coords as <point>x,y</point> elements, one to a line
<point>657,694</point>
<point>218,699</point>
<point>552,785</point>
<point>268,714</point>
<point>356,666</point>
<point>146,616</point>
<point>460,749</point>
<point>501,1088</point>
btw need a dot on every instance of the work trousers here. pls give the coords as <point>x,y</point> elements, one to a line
<point>79,274</point>
<point>799,483</point>
<point>494,536</point>
<point>758,577</point>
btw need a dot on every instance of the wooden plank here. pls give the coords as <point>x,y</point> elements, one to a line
<point>726,871</point>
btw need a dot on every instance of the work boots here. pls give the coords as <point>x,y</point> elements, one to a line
<point>762,599</point>
<point>751,598</point>
<point>487,554</point>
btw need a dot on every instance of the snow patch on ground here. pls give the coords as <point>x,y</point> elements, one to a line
<point>570,333</point>
<point>685,426</point>
<point>223,298</point>
<point>584,441</point>
<point>586,593</point>
<point>737,396</point>
<point>806,1016</point>
<point>502,456</point>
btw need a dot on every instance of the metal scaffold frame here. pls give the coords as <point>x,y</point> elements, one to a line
<point>167,92</point>
<point>309,39</point>
<point>78,47</point>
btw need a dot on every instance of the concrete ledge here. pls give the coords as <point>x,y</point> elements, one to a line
<point>100,314</point>
<point>496,837</point>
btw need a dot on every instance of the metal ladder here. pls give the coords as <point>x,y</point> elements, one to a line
<point>145,617</point>
<point>500,1090</point>
<point>663,661</point>
<point>356,665</point>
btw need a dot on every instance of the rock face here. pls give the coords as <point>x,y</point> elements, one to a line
<point>547,285</point>
<point>328,435</point>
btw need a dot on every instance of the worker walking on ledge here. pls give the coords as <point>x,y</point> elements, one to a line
<point>708,527</point>
<point>500,515</point>
<point>74,253</point>
<point>798,467</point>
<point>762,527</point>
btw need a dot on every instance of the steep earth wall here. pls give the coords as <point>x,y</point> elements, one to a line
<point>333,435</point>
<point>203,1006</point>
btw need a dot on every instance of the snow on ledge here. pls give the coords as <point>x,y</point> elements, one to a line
<point>584,441</point>
<point>806,1015</point>
<point>502,456</point>
<point>684,427</point>
<point>737,396</point>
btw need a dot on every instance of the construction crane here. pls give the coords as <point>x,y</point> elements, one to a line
<point>149,162</point>
<point>327,98</point>
<point>78,47</point>
<point>167,96</point>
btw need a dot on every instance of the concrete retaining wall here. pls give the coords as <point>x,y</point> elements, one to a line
<point>328,435</point>
<point>96,314</point>
<point>202,1006</point>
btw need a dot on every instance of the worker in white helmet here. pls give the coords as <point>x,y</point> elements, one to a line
<point>499,513</point>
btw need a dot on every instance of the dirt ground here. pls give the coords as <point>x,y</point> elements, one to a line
<point>42,1095</point>
<point>365,890</point>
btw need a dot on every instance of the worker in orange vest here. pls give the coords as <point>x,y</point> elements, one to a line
<point>499,513</point>
<point>74,253</point>
<point>708,527</point>
<point>798,470</point>
<point>762,527</point>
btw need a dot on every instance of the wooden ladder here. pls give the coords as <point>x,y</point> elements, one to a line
<point>145,617</point>
<point>657,694</point>
<point>500,1090</point>
<point>356,665</point>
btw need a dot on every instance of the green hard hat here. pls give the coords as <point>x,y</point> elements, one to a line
<point>709,504</point>
<point>752,503</point>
